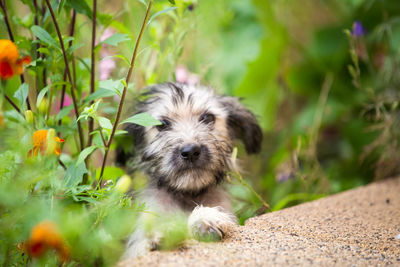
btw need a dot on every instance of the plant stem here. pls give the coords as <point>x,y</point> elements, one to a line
<point>68,74</point>
<point>244,183</point>
<point>3,7</point>
<point>36,21</point>
<point>319,113</point>
<point>11,102</point>
<point>71,33</point>
<point>62,164</point>
<point>8,26</point>
<point>93,69</point>
<point>127,80</point>
<point>102,136</point>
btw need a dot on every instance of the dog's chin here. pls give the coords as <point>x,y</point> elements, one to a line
<point>191,180</point>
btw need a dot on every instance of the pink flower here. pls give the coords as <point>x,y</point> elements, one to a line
<point>67,101</point>
<point>107,33</point>
<point>106,64</point>
<point>183,75</point>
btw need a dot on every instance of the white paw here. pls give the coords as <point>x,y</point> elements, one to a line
<point>210,224</point>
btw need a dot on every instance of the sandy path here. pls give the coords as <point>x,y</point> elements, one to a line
<point>357,227</point>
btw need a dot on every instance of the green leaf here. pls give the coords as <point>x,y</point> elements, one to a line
<point>105,123</point>
<point>143,2</point>
<point>100,93</point>
<point>64,112</point>
<point>61,6</point>
<point>44,36</point>
<point>143,119</point>
<point>41,95</point>
<point>85,153</point>
<point>116,38</point>
<point>90,111</point>
<point>105,19</point>
<point>21,94</point>
<point>73,48</point>
<point>115,86</point>
<point>303,197</point>
<point>110,173</point>
<point>80,6</point>
<point>75,174</point>
<point>160,13</point>
<point>121,57</point>
<point>84,63</point>
<point>120,132</point>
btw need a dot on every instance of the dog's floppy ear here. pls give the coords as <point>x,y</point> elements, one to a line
<point>242,124</point>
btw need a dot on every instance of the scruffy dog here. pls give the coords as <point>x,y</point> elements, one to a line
<point>187,157</point>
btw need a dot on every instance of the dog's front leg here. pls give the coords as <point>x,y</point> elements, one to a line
<point>207,223</point>
<point>141,242</point>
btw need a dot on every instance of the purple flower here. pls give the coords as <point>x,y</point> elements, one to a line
<point>358,29</point>
<point>283,176</point>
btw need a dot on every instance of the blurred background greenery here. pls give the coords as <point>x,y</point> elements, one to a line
<point>321,76</point>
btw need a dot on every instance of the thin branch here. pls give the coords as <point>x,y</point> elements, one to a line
<point>93,68</point>
<point>71,33</point>
<point>102,136</point>
<point>3,7</point>
<point>128,78</point>
<point>43,56</point>
<point>36,21</point>
<point>318,115</point>
<point>68,73</point>
<point>11,103</point>
<point>238,176</point>
<point>8,26</point>
<point>62,164</point>
<point>43,11</point>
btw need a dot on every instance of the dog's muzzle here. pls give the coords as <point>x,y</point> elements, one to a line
<point>190,152</point>
<point>193,156</point>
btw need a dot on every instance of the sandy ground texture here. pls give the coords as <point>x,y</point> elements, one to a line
<point>359,227</point>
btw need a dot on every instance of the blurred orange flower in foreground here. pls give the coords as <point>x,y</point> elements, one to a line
<point>42,143</point>
<point>45,236</point>
<point>10,63</point>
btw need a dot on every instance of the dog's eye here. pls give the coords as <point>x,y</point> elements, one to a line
<point>207,118</point>
<point>164,126</point>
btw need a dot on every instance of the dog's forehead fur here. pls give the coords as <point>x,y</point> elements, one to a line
<point>183,105</point>
<point>183,101</point>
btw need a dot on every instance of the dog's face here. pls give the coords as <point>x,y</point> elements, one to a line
<point>192,148</point>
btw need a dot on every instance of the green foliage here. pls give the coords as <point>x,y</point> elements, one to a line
<point>324,90</point>
<point>143,119</point>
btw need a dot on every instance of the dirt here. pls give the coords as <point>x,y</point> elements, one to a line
<point>357,227</point>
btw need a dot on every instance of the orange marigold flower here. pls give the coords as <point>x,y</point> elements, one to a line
<point>45,236</point>
<point>40,143</point>
<point>10,63</point>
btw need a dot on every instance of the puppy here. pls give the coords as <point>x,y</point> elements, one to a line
<point>187,157</point>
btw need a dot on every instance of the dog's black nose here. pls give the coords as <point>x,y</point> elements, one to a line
<point>191,152</point>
